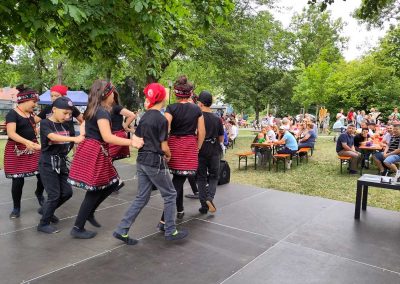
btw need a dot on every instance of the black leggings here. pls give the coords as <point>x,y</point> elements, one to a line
<point>193,184</point>
<point>178,182</point>
<point>16,190</point>
<point>90,203</point>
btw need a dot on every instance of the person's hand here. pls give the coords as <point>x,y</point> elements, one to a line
<point>137,142</point>
<point>30,146</point>
<point>167,158</point>
<point>36,147</point>
<point>79,139</point>
<point>385,155</point>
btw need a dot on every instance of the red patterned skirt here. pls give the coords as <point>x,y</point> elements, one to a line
<point>119,152</point>
<point>92,168</point>
<point>184,155</point>
<point>18,162</point>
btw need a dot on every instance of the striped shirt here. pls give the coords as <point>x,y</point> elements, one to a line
<point>394,143</point>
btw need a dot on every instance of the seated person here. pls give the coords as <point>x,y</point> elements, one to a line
<point>262,153</point>
<point>234,131</point>
<point>289,144</point>
<point>371,129</point>
<point>302,130</point>
<point>345,147</point>
<point>387,135</point>
<point>270,133</point>
<point>308,141</point>
<point>361,139</point>
<point>386,160</point>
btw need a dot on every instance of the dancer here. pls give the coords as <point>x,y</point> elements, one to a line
<point>151,168</point>
<point>119,128</point>
<point>22,150</point>
<point>56,92</point>
<point>209,155</point>
<point>184,119</point>
<point>55,141</point>
<point>92,168</point>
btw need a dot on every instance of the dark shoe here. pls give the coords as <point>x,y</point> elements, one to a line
<point>48,229</point>
<point>203,210</point>
<point>53,219</point>
<point>82,233</point>
<point>384,173</point>
<point>40,199</point>
<point>15,213</point>
<point>192,196</point>
<point>161,226</point>
<point>353,172</point>
<point>125,238</point>
<point>177,235</point>
<point>120,185</point>
<point>211,206</point>
<point>180,215</point>
<point>93,221</point>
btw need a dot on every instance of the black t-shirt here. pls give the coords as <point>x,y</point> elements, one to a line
<point>358,139</point>
<point>91,128</point>
<point>214,129</point>
<point>185,116</point>
<point>116,118</point>
<point>25,127</point>
<point>47,111</point>
<point>153,128</point>
<point>52,147</point>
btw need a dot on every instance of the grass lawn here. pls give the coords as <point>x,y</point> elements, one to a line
<point>320,177</point>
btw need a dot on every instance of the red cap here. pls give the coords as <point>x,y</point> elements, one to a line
<point>154,93</point>
<point>61,89</point>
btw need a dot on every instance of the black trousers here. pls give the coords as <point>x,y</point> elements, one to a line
<point>178,182</point>
<point>193,183</point>
<point>208,170</point>
<point>17,186</point>
<point>57,188</point>
<point>90,203</point>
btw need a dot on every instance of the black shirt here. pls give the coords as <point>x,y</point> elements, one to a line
<point>153,128</point>
<point>394,143</point>
<point>344,138</point>
<point>47,111</point>
<point>91,128</point>
<point>25,127</point>
<point>185,117</point>
<point>214,129</point>
<point>116,118</point>
<point>358,139</point>
<point>52,147</point>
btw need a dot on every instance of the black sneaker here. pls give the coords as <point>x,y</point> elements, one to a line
<point>15,213</point>
<point>180,215</point>
<point>93,221</point>
<point>48,229</point>
<point>177,235</point>
<point>125,238</point>
<point>211,206</point>
<point>82,233</point>
<point>120,185</point>
<point>353,172</point>
<point>161,226</point>
<point>192,196</point>
<point>203,210</point>
<point>53,219</point>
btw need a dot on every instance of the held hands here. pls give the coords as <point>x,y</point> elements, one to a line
<point>32,146</point>
<point>137,142</point>
<point>79,139</point>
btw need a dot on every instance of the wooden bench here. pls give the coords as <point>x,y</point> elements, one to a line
<point>300,151</point>
<point>243,156</point>
<point>342,160</point>
<point>281,157</point>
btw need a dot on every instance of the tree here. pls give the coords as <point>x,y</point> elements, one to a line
<point>388,52</point>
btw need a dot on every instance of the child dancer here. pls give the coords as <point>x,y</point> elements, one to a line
<point>152,169</point>
<point>21,155</point>
<point>92,168</point>
<point>119,128</point>
<point>55,141</point>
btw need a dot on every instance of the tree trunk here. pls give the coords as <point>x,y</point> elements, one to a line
<point>60,72</point>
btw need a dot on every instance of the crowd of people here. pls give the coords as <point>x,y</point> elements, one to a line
<point>184,139</point>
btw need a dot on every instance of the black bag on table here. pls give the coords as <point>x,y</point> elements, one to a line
<point>224,173</point>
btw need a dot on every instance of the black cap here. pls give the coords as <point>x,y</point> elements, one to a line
<point>205,98</point>
<point>63,103</point>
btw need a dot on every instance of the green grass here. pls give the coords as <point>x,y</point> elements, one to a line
<point>320,177</point>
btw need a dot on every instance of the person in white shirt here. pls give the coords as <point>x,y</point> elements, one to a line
<point>234,130</point>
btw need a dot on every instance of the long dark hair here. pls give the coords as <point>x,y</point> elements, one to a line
<point>95,98</point>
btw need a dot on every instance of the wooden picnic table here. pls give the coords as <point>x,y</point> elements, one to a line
<point>269,145</point>
<point>367,149</point>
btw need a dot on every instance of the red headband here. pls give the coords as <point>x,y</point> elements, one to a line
<point>108,89</point>
<point>61,89</point>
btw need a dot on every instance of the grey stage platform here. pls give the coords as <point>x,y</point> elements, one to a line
<point>257,236</point>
